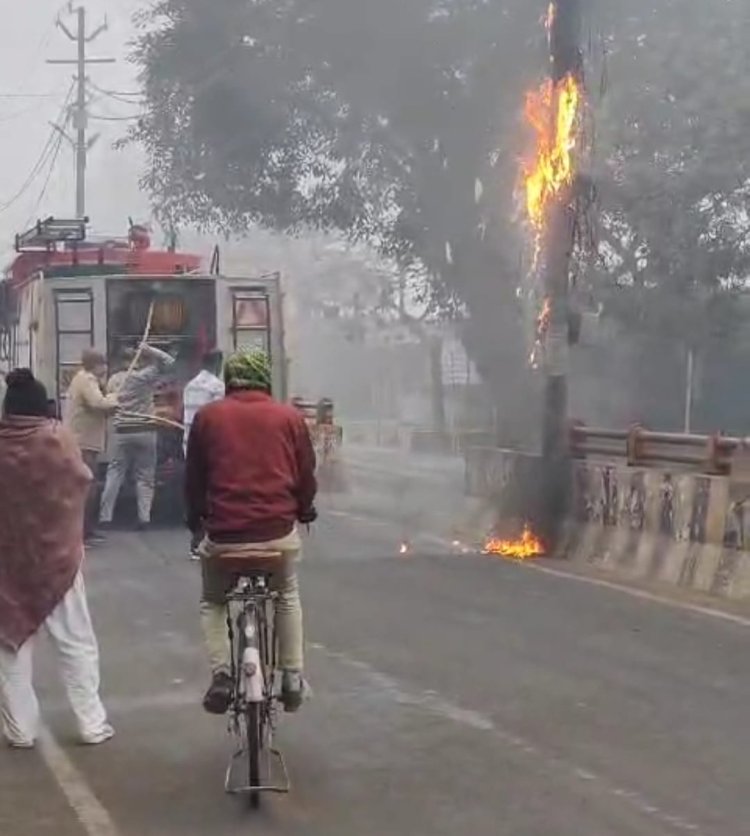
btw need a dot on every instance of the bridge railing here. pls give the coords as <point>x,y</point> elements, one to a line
<point>714,454</point>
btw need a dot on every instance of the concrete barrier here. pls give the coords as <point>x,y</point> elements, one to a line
<point>640,524</point>
<point>684,529</point>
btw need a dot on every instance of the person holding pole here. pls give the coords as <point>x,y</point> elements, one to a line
<point>135,432</point>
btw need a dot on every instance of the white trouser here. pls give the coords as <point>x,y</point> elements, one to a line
<point>69,626</point>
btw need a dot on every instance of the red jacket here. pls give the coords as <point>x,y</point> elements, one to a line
<point>250,469</point>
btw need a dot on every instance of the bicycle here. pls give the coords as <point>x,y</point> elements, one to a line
<point>253,712</point>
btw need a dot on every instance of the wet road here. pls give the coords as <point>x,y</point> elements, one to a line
<point>453,694</point>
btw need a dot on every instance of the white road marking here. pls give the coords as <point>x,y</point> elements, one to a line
<point>91,813</point>
<point>432,703</point>
<point>634,592</point>
<point>643,594</point>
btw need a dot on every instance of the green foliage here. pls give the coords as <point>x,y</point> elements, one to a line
<point>398,122</point>
<point>674,166</point>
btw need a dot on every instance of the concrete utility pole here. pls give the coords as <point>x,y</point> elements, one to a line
<point>565,60</point>
<point>81,144</point>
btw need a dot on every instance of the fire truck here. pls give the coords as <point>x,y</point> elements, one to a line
<point>66,291</point>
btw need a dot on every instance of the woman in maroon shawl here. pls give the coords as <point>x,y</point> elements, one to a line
<point>43,487</point>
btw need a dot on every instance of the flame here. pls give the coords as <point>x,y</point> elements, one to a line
<point>526,546</point>
<point>552,111</point>
<point>404,548</point>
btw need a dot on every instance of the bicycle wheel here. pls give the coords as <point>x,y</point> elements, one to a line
<point>254,731</point>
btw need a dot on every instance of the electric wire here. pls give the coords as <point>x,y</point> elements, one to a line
<point>53,161</point>
<point>47,151</point>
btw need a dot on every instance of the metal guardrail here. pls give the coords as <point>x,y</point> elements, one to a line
<point>714,454</point>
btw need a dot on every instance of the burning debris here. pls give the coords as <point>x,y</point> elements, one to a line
<point>404,549</point>
<point>526,546</point>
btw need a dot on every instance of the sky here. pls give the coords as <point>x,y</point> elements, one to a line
<point>31,96</point>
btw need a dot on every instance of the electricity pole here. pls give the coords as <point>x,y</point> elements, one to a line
<point>565,60</point>
<point>81,144</point>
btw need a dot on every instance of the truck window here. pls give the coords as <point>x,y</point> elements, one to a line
<point>74,318</point>
<point>250,320</point>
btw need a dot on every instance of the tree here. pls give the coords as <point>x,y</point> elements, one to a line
<point>673,175</point>
<point>398,123</point>
<point>393,122</point>
<point>675,168</point>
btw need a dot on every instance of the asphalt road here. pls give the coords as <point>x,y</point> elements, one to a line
<point>453,694</point>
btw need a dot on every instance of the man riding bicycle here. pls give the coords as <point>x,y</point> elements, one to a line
<point>250,478</point>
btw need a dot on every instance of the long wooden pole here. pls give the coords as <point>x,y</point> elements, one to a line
<point>139,351</point>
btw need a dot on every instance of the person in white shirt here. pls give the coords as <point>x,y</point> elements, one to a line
<point>206,387</point>
<point>203,389</point>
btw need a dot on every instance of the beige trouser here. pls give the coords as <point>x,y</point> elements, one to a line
<point>216,585</point>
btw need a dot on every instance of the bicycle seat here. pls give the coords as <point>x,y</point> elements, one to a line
<point>246,561</point>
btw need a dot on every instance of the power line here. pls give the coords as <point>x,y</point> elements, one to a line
<point>32,174</point>
<point>108,115</point>
<point>9,117</point>
<point>55,154</point>
<point>118,95</point>
<point>101,118</point>
<point>49,95</point>
<point>44,156</point>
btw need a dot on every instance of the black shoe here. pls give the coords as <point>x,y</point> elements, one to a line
<point>292,691</point>
<point>142,526</point>
<point>219,695</point>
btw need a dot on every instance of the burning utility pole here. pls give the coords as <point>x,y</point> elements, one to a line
<point>554,112</point>
<point>567,79</point>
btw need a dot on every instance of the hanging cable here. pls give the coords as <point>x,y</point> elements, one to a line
<point>53,160</point>
<point>101,118</point>
<point>117,95</point>
<point>44,156</point>
<point>49,95</point>
<point>37,104</point>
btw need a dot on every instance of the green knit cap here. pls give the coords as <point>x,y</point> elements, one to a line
<point>248,370</point>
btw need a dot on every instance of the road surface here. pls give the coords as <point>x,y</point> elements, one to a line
<point>454,694</point>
